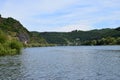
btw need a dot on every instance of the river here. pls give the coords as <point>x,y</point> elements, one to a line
<point>63,63</point>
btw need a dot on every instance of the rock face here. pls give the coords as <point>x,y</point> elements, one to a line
<point>14,29</point>
<point>24,37</point>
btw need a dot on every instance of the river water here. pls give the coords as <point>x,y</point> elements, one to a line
<point>63,63</point>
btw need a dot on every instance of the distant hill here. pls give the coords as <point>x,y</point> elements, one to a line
<point>77,37</point>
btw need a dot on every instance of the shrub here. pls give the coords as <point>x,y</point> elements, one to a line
<point>3,37</point>
<point>15,45</point>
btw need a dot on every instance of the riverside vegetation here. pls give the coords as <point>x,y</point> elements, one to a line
<point>14,36</point>
<point>9,46</point>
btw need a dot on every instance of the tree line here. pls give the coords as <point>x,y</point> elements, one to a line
<point>104,41</point>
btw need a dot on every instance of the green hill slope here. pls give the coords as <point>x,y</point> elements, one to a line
<point>14,29</point>
<point>80,37</point>
<point>13,35</point>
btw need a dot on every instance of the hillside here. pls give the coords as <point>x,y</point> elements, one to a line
<point>14,29</point>
<point>80,37</point>
<point>13,36</point>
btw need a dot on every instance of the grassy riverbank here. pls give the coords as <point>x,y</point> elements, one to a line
<point>8,45</point>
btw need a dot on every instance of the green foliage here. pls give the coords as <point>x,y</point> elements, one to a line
<point>118,41</point>
<point>100,37</point>
<point>5,50</point>
<point>15,45</point>
<point>14,30</point>
<point>36,38</point>
<point>8,46</point>
<point>55,38</point>
<point>11,31</point>
<point>104,41</point>
<point>3,37</point>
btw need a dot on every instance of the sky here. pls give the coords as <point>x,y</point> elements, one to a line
<point>63,15</point>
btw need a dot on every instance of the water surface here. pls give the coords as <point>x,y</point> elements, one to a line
<point>63,63</point>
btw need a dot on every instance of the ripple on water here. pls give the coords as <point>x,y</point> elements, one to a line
<point>63,63</point>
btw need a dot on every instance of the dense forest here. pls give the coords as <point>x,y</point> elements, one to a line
<point>14,36</point>
<point>93,37</point>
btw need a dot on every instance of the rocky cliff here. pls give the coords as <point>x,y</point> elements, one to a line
<point>14,29</point>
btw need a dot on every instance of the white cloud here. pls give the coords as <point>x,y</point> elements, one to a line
<point>61,15</point>
<point>65,28</point>
<point>69,28</point>
<point>30,7</point>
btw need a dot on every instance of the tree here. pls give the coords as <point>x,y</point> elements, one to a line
<point>118,41</point>
<point>93,42</point>
<point>3,37</point>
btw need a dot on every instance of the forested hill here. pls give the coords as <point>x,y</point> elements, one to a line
<point>14,36</point>
<point>93,37</point>
<point>15,30</point>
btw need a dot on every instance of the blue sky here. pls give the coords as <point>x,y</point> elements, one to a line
<point>63,15</point>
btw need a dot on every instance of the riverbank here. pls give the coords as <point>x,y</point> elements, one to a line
<point>8,45</point>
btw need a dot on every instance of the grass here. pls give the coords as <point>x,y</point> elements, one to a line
<point>10,48</point>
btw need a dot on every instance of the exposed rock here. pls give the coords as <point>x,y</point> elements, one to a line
<point>15,29</point>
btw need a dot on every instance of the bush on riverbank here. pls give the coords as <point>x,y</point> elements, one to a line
<point>9,46</point>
